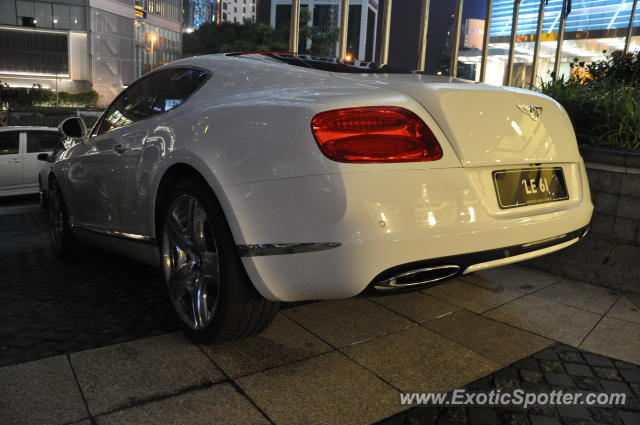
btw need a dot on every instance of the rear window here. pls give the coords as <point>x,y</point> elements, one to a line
<point>43,141</point>
<point>181,84</point>
<point>325,64</point>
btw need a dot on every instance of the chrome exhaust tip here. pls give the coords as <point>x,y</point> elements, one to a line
<point>585,232</point>
<point>418,277</point>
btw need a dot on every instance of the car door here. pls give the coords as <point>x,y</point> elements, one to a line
<point>147,150</point>
<point>38,141</point>
<point>10,160</point>
<point>97,174</point>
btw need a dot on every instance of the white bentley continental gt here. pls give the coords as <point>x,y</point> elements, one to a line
<point>255,178</point>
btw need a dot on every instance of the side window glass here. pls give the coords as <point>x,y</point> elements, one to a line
<point>9,143</point>
<point>43,141</point>
<point>96,126</point>
<point>182,83</point>
<point>135,103</point>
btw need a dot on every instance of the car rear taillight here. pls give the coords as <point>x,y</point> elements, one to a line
<point>374,134</point>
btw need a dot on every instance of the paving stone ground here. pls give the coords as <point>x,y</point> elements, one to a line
<point>51,307</point>
<point>341,362</point>
<point>559,368</point>
<point>597,259</point>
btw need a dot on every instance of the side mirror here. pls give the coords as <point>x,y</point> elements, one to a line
<point>73,127</point>
<point>46,157</point>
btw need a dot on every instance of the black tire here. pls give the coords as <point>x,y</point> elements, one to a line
<point>239,310</point>
<point>61,238</point>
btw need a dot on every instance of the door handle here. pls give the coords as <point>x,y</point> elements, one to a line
<point>120,149</point>
<point>15,161</point>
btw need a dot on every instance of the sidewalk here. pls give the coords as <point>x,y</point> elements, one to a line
<point>329,362</point>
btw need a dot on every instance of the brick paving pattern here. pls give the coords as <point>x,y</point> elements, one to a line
<point>51,307</point>
<point>559,367</point>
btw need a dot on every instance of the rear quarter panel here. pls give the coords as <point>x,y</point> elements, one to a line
<point>247,126</point>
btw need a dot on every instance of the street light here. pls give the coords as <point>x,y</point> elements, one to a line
<point>153,39</point>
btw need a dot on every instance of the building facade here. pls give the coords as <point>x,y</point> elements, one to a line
<point>198,12</point>
<point>593,29</point>
<point>473,33</point>
<point>237,11</point>
<point>325,14</point>
<point>79,45</point>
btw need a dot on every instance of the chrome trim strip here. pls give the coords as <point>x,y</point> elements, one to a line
<point>117,234</point>
<point>543,241</point>
<point>392,282</point>
<point>517,258</point>
<point>259,250</point>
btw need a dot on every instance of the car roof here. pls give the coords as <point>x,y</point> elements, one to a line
<point>27,128</point>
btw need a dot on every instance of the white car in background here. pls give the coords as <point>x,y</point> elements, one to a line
<point>251,179</point>
<point>19,150</point>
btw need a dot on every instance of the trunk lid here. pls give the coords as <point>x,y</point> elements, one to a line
<point>488,125</point>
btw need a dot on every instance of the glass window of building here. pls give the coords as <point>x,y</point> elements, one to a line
<point>592,27</point>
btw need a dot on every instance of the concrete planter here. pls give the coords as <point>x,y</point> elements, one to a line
<point>614,177</point>
<point>610,255</point>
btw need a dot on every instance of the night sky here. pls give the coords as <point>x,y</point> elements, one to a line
<point>473,9</point>
<point>439,17</point>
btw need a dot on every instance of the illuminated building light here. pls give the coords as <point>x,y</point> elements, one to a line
<point>33,74</point>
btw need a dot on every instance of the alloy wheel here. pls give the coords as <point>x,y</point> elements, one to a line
<point>190,262</point>
<point>56,217</point>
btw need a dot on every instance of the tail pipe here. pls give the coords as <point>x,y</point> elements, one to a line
<point>417,277</point>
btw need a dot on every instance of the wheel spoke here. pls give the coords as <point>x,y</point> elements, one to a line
<point>178,235</point>
<point>190,261</point>
<point>200,303</point>
<point>210,265</point>
<point>178,281</point>
<point>198,220</point>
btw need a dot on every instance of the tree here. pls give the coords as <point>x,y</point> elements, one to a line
<point>322,42</point>
<point>251,37</point>
<point>233,37</point>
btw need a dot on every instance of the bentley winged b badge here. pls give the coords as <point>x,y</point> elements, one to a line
<point>534,112</point>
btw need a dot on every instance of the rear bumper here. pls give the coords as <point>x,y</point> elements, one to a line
<point>376,222</point>
<point>476,261</point>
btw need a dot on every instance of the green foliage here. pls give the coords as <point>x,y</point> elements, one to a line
<point>618,66</point>
<point>36,95</point>
<point>83,99</point>
<point>49,116</point>
<point>233,37</point>
<point>602,100</point>
<point>603,113</point>
<point>321,42</point>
